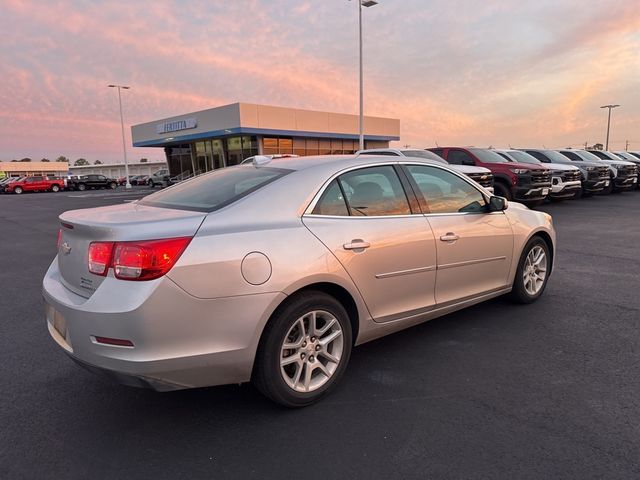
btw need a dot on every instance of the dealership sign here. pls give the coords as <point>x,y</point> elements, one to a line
<point>176,125</point>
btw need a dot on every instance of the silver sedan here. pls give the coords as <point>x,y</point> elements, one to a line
<point>271,271</point>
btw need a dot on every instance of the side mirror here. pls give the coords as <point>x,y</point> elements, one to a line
<point>497,204</point>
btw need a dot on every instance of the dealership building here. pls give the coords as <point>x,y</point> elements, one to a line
<point>201,141</point>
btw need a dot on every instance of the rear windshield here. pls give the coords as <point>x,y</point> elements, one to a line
<point>215,190</point>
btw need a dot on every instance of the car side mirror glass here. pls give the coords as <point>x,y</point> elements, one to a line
<point>497,204</point>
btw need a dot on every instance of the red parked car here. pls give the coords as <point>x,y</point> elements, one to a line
<point>523,182</point>
<point>35,184</point>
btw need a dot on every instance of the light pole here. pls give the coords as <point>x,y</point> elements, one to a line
<point>606,147</point>
<point>124,145</point>
<point>362,3</point>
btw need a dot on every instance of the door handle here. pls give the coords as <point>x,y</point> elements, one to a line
<point>356,244</point>
<point>449,237</point>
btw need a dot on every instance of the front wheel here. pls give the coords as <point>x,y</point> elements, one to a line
<point>533,271</point>
<point>82,187</point>
<point>18,190</point>
<point>304,350</point>
<point>55,188</point>
<point>113,185</point>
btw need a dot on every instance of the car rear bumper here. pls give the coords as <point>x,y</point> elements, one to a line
<point>179,341</point>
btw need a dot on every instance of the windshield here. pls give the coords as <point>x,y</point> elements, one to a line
<point>522,157</point>
<point>608,155</point>
<point>487,156</point>
<point>554,156</point>
<point>589,157</point>
<point>216,189</point>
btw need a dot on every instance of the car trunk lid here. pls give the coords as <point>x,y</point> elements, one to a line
<point>118,223</point>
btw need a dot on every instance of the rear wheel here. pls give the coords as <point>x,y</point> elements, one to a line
<point>112,185</point>
<point>55,188</point>
<point>82,187</point>
<point>533,271</point>
<point>304,350</point>
<point>18,190</point>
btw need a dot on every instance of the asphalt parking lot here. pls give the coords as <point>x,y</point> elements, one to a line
<point>549,390</point>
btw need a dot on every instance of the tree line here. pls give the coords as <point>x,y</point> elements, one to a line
<point>79,162</point>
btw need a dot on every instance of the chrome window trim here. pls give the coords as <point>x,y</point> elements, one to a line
<point>364,217</point>
<point>308,211</point>
<point>316,198</point>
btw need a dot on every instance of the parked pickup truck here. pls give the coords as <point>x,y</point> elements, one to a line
<point>91,181</point>
<point>34,184</point>
<point>481,175</point>
<point>523,182</point>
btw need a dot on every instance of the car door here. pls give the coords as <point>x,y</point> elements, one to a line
<point>33,184</point>
<point>364,218</point>
<point>474,246</point>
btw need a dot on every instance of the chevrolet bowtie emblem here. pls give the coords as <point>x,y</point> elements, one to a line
<point>66,248</point>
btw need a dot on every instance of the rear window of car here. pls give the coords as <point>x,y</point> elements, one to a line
<point>214,190</point>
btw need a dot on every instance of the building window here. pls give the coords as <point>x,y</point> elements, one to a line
<point>324,147</point>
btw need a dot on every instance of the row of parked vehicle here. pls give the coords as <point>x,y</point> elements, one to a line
<point>533,175</point>
<point>41,183</point>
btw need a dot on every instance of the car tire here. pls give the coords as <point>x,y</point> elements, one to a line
<point>502,191</point>
<point>150,184</point>
<point>319,355</point>
<point>528,286</point>
<point>17,190</point>
<point>55,188</point>
<point>113,185</point>
<point>82,187</point>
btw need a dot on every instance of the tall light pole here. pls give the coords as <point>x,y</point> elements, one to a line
<point>124,145</point>
<point>362,3</point>
<point>606,147</point>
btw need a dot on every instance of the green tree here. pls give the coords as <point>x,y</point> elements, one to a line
<point>81,161</point>
<point>62,158</point>
<point>26,159</point>
<point>143,160</point>
<point>44,160</point>
<point>97,162</point>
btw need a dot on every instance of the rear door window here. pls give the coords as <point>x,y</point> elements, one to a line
<point>374,191</point>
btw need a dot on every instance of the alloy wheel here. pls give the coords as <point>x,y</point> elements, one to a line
<point>535,270</point>
<point>311,351</point>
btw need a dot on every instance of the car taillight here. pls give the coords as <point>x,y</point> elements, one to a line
<point>59,241</point>
<point>100,257</point>
<point>141,260</point>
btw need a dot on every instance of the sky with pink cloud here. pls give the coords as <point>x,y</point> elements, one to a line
<point>461,72</point>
